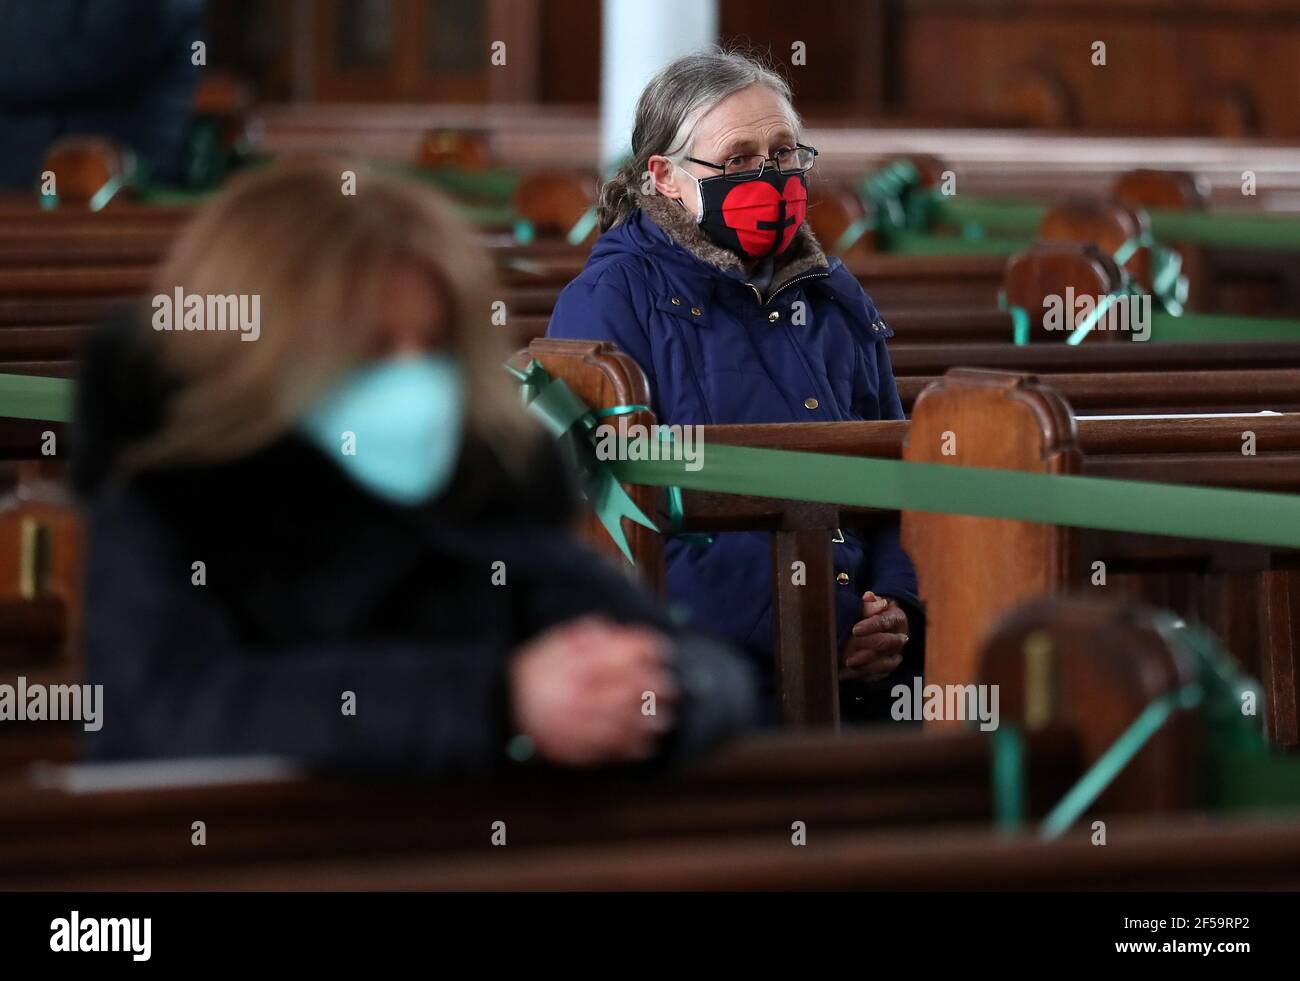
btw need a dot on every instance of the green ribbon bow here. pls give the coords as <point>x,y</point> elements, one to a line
<point>890,193</point>
<point>1169,285</point>
<point>569,420</point>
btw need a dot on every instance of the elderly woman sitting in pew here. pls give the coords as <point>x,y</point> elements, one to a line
<point>707,274</point>
<point>331,534</point>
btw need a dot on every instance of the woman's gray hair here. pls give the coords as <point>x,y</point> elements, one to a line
<point>669,108</point>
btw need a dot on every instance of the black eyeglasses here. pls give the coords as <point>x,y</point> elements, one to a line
<point>797,159</point>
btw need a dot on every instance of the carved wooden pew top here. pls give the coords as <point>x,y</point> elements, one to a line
<point>73,825</point>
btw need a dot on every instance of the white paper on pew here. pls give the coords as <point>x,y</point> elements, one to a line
<point>92,778</point>
<point>1193,415</point>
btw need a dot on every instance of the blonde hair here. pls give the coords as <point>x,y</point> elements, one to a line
<point>317,259</point>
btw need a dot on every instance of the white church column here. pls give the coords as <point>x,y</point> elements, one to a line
<point>638,38</point>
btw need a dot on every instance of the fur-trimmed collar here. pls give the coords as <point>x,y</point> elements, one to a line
<point>804,254</point>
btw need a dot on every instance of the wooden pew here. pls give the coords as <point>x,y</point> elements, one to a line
<point>1203,451</point>
<point>1193,853</point>
<point>130,825</point>
<point>44,313</point>
<point>64,834</point>
<point>1247,594</point>
<point>1016,422</point>
<point>927,299</point>
<point>801,527</point>
<point>1252,281</point>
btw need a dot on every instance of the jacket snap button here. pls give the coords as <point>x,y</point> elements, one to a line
<point>842,579</point>
<point>677,301</point>
<point>810,403</point>
<point>695,311</point>
<point>774,316</point>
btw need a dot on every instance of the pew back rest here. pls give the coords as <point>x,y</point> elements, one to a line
<point>1046,272</point>
<point>553,201</point>
<point>1107,224</point>
<point>1003,420</point>
<point>604,377</point>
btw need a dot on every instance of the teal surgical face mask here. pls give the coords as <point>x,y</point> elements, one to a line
<point>394,426</point>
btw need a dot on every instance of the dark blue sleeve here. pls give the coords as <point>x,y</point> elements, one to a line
<point>891,406</point>
<point>887,570</point>
<point>55,50</point>
<point>601,308</point>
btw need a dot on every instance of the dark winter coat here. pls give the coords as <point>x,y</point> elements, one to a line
<point>117,68</point>
<point>312,588</point>
<point>808,348</point>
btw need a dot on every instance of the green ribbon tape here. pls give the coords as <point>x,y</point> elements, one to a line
<point>1192,327</point>
<point>1186,328</point>
<point>493,186</point>
<point>1255,517</point>
<point>100,199</point>
<point>569,420</point>
<point>36,397</point>
<point>1168,289</point>
<point>1112,762</point>
<point>1169,322</point>
<point>524,231</point>
<point>1008,765</point>
<point>1169,286</point>
<point>582,227</point>
<point>916,243</point>
<point>1125,252</point>
<point>1019,326</point>
<point>852,235</point>
<point>1020,323</point>
<point>1008,217</point>
<point>1085,326</point>
<point>1020,218</point>
<point>1242,770</point>
<point>1227,230</point>
<point>904,215</point>
<point>1168,283</point>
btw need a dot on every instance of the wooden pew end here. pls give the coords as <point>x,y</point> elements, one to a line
<point>1093,666</point>
<point>83,166</point>
<point>553,201</point>
<point>1051,271</point>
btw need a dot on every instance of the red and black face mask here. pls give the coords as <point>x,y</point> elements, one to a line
<point>755,218</point>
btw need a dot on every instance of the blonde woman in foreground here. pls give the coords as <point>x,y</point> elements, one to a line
<point>295,522</point>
